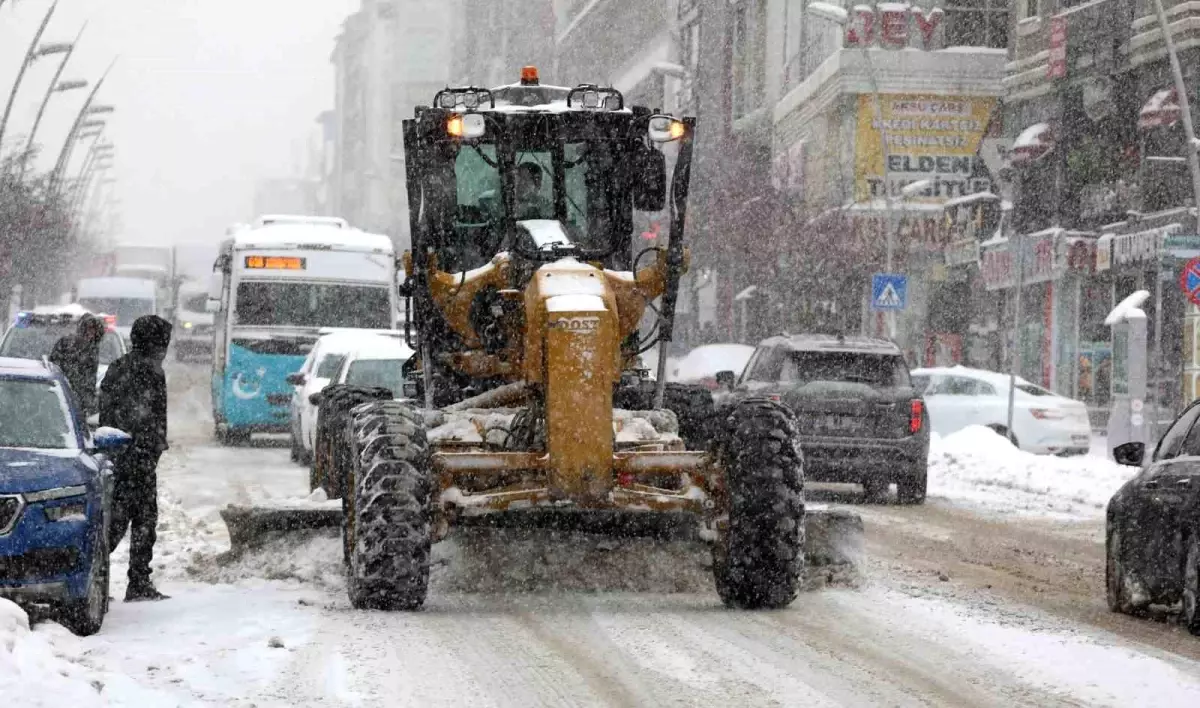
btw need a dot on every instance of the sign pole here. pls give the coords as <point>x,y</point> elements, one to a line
<point>1018,282</point>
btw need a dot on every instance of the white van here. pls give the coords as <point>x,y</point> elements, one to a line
<point>125,298</point>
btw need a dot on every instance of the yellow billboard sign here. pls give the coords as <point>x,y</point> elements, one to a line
<point>929,137</point>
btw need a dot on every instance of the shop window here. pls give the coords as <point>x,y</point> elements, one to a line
<point>977,23</point>
<point>1026,9</point>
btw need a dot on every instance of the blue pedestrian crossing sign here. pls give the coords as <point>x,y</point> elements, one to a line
<point>889,291</point>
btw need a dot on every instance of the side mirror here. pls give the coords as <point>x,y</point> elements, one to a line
<point>107,439</point>
<point>296,379</point>
<point>726,379</point>
<point>216,284</point>
<point>1130,454</point>
<point>650,180</point>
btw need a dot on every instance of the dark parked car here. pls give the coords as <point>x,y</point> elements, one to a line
<point>1153,525</point>
<point>860,419</point>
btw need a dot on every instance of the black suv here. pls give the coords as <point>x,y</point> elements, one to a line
<point>860,419</point>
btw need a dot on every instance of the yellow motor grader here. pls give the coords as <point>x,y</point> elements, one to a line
<point>526,395</point>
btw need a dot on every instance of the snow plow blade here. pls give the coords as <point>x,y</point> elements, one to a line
<point>251,527</point>
<point>833,537</point>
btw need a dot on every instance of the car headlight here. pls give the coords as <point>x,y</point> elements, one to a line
<point>69,511</point>
<point>74,507</point>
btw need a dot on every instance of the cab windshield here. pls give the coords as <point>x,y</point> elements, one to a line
<point>571,184</point>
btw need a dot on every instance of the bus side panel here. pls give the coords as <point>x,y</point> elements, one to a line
<point>255,392</point>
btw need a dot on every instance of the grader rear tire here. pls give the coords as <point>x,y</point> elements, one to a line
<point>387,532</point>
<point>759,558</point>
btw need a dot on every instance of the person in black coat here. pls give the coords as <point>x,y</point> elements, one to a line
<point>78,355</point>
<point>133,398</point>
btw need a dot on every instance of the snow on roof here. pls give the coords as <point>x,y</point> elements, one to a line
<point>24,367</point>
<point>381,347</point>
<point>116,287</point>
<point>993,377</point>
<point>300,235</point>
<point>274,219</point>
<point>74,309</point>
<point>1128,309</point>
<point>969,199</point>
<point>348,340</point>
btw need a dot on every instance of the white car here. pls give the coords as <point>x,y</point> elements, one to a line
<point>377,363</point>
<point>1043,421</point>
<point>319,369</point>
<point>702,364</point>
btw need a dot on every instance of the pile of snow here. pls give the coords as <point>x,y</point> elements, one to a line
<point>182,540</point>
<point>49,666</point>
<point>311,557</point>
<point>982,468</point>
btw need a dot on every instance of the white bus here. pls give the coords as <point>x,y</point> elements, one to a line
<point>274,287</point>
<point>125,298</point>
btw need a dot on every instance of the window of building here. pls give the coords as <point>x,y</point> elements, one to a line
<point>978,23</point>
<point>1027,8</point>
<point>748,55</point>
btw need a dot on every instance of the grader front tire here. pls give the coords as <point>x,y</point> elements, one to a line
<point>758,560</point>
<point>387,528</point>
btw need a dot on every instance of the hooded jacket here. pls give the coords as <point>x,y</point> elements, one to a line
<point>78,355</point>
<point>133,395</point>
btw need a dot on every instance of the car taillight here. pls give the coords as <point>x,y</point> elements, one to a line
<point>1046,413</point>
<point>917,413</point>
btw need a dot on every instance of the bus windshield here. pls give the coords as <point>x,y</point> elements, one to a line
<point>286,304</point>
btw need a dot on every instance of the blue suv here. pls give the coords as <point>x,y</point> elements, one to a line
<point>55,496</point>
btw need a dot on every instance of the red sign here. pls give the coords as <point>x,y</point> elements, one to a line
<point>1189,280</point>
<point>1056,68</point>
<point>895,26</point>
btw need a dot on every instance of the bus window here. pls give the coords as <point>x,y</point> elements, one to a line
<point>284,304</point>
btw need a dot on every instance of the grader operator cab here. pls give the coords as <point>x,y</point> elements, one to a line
<point>526,395</point>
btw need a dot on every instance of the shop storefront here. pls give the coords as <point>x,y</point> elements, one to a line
<point>1143,256</point>
<point>1053,273</point>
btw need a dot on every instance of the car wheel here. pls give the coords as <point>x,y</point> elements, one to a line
<point>911,489</point>
<point>85,615</point>
<point>1114,571</point>
<point>875,491</point>
<point>1191,587</point>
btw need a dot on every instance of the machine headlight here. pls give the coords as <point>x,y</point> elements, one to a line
<point>187,325</point>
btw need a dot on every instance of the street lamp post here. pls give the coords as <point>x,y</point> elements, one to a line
<point>54,87</point>
<point>30,55</point>
<point>1184,108</point>
<point>65,154</point>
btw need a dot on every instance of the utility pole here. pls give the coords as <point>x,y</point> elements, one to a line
<point>1184,107</point>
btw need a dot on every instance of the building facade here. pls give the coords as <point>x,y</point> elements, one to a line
<point>391,56</point>
<point>881,121</point>
<point>1099,153</point>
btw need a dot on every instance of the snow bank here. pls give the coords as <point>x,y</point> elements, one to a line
<point>981,468</point>
<point>49,666</point>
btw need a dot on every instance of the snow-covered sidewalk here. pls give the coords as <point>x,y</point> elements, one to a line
<point>979,468</point>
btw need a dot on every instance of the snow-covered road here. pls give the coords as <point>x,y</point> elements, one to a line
<point>963,603</point>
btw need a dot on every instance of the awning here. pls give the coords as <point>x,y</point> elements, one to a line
<point>1033,143</point>
<point>1161,111</point>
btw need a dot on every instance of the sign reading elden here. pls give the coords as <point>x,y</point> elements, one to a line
<point>895,25</point>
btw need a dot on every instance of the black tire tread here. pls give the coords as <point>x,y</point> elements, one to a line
<point>389,545</point>
<point>764,546</point>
